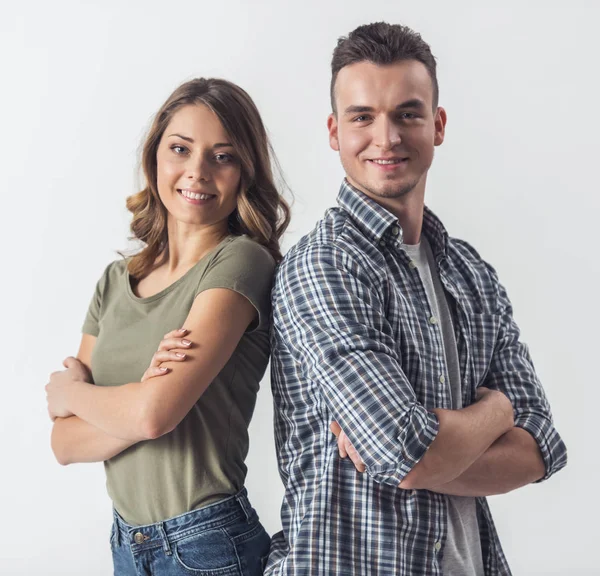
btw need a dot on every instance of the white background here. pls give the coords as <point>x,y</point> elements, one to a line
<point>517,177</point>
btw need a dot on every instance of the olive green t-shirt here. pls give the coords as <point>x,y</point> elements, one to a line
<point>202,459</point>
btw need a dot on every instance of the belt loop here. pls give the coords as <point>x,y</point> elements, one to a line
<point>244,504</point>
<point>117,530</point>
<point>166,545</point>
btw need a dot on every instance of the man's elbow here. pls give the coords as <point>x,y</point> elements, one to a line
<point>425,475</point>
<point>413,480</point>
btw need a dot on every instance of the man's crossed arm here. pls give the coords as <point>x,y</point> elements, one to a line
<point>477,452</point>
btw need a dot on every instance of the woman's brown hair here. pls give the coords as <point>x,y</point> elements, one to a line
<point>261,213</point>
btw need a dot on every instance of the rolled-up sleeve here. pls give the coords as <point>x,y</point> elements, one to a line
<point>512,372</point>
<point>330,315</point>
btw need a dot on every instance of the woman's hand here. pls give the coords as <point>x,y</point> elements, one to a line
<point>60,385</point>
<point>172,348</point>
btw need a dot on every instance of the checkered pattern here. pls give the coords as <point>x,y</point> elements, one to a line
<point>354,340</point>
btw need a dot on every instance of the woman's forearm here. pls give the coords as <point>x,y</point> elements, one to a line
<point>75,440</point>
<point>118,411</point>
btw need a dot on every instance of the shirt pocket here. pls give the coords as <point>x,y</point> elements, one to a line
<point>483,334</point>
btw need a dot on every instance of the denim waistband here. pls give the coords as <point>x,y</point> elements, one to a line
<point>164,533</point>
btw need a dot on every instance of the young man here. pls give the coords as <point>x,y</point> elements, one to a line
<point>402,336</point>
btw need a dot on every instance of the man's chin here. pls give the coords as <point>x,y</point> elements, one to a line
<point>392,190</point>
<point>381,188</point>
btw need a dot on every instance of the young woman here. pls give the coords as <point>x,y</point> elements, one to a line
<point>173,434</point>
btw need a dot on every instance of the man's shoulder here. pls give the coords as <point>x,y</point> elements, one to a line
<point>334,237</point>
<point>466,255</point>
<point>475,278</point>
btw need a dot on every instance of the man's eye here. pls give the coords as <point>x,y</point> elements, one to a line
<point>361,118</point>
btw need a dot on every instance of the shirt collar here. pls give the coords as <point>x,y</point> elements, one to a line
<point>371,219</point>
<point>374,221</point>
<point>436,232</point>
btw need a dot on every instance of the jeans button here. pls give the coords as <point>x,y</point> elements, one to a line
<point>139,538</point>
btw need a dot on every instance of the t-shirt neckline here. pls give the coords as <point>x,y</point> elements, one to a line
<point>170,287</point>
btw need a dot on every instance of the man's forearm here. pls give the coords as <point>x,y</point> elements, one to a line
<point>463,436</point>
<point>75,440</point>
<point>514,460</point>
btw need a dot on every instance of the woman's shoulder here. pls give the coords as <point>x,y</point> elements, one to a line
<point>244,253</point>
<point>116,268</point>
<point>240,264</point>
<point>113,274</point>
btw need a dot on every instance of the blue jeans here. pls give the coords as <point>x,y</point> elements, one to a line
<point>222,539</point>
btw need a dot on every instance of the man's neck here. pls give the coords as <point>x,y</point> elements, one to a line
<point>407,208</point>
<point>410,216</point>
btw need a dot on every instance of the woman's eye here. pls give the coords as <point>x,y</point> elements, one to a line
<point>179,149</point>
<point>224,158</point>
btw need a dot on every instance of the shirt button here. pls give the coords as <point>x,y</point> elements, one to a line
<point>413,492</point>
<point>442,379</point>
<point>412,264</point>
<point>433,320</point>
<point>382,242</point>
<point>438,546</point>
<point>395,230</point>
<point>139,538</point>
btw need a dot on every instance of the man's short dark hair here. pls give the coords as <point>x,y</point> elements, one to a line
<point>382,43</point>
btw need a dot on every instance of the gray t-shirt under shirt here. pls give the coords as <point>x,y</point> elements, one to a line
<point>462,552</point>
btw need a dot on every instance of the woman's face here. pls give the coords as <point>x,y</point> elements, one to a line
<point>198,171</point>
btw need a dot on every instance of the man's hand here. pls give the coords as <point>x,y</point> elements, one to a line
<point>346,448</point>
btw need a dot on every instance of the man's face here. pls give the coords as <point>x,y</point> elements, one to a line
<point>385,129</point>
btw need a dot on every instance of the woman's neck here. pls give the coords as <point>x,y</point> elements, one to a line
<point>188,244</point>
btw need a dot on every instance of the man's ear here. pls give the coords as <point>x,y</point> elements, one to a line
<point>440,126</point>
<point>332,127</point>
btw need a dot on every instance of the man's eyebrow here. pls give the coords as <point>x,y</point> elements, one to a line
<point>188,139</point>
<point>414,103</point>
<point>357,109</point>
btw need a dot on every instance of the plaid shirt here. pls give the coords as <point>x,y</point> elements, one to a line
<point>354,340</point>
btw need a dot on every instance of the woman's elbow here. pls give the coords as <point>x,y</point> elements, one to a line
<point>152,428</point>
<point>59,450</point>
<point>154,421</point>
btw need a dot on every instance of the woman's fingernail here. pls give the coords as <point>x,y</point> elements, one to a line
<point>182,330</point>
<point>163,369</point>
<point>179,355</point>
<point>186,342</point>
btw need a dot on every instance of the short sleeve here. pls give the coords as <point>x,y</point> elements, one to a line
<point>247,268</point>
<point>91,324</point>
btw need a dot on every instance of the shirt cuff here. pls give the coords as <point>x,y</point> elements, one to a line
<point>418,429</point>
<point>552,448</point>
